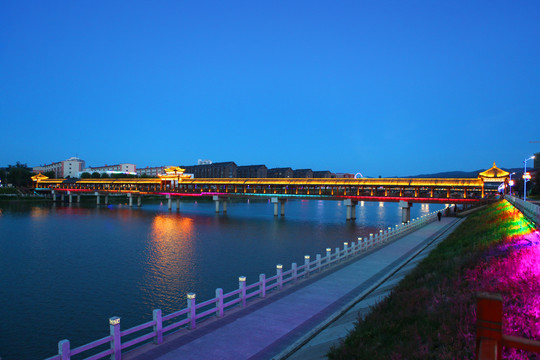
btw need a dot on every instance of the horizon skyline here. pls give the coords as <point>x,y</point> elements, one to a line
<point>389,89</point>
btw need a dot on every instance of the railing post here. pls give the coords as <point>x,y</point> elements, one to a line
<point>279,273</point>
<point>306,267</point>
<point>337,254</point>
<point>219,302</point>
<point>318,264</point>
<point>242,286</point>
<point>370,243</point>
<point>389,234</point>
<point>381,236</point>
<point>488,326</point>
<point>328,255</point>
<point>64,350</point>
<point>346,249</point>
<point>294,272</point>
<point>262,285</point>
<point>116,341</point>
<point>192,314</point>
<point>158,326</point>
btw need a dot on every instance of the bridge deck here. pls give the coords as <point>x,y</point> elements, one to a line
<point>268,327</point>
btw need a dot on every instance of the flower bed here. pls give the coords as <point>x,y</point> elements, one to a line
<point>431,313</point>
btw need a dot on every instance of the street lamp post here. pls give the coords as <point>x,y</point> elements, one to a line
<point>525,177</point>
<point>511,182</point>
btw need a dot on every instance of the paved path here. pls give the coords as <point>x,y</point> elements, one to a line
<point>272,327</point>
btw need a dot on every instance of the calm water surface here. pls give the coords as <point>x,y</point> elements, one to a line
<point>65,270</point>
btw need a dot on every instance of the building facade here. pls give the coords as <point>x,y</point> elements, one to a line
<point>113,169</point>
<point>324,174</point>
<point>252,171</point>
<point>280,173</point>
<point>215,170</point>
<point>63,169</point>
<point>303,173</point>
<point>152,171</point>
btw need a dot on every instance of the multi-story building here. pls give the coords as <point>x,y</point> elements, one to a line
<point>252,171</point>
<point>152,171</point>
<point>113,169</point>
<point>214,170</point>
<point>325,174</point>
<point>303,173</point>
<point>62,169</point>
<point>280,173</point>
<point>344,175</point>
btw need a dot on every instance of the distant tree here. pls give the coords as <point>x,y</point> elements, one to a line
<point>105,176</point>
<point>3,176</point>
<point>50,174</point>
<point>19,175</point>
<point>96,175</point>
<point>86,175</point>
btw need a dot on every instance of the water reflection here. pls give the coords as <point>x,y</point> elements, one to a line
<point>169,264</point>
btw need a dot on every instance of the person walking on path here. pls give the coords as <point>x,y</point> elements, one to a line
<point>439,215</point>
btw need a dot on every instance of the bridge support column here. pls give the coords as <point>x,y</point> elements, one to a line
<point>277,201</point>
<point>62,197</point>
<point>70,197</point>
<point>351,209</point>
<point>78,199</point>
<point>97,198</point>
<point>177,204</point>
<point>169,202</point>
<point>53,194</point>
<point>218,200</point>
<point>139,201</point>
<point>405,211</point>
<point>130,199</point>
<point>106,199</point>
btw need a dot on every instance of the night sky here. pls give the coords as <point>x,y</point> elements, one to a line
<point>391,88</point>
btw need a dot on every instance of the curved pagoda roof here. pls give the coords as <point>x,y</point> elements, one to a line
<point>494,174</point>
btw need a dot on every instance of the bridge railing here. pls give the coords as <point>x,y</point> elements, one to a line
<point>188,317</point>
<point>529,209</point>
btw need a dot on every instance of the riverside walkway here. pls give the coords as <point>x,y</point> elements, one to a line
<point>274,327</point>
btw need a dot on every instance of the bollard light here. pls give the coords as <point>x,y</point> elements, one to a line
<point>279,266</point>
<point>115,320</point>
<point>346,243</point>
<point>306,257</point>
<point>191,296</point>
<point>328,249</point>
<point>241,278</point>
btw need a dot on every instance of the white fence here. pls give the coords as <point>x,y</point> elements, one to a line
<point>162,325</point>
<point>530,210</point>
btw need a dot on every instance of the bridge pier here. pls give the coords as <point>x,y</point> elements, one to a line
<point>405,211</point>
<point>62,197</point>
<point>139,201</point>
<point>351,209</point>
<point>130,199</point>
<point>177,204</point>
<point>218,200</point>
<point>53,194</point>
<point>169,202</point>
<point>97,198</point>
<point>277,202</point>
<point>70,197</point>
<point>78,198</point>
<point>106,199</point>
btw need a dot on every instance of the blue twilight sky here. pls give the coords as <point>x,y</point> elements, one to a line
<point>389,88</point>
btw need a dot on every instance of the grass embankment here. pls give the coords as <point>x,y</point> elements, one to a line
<point>431,313</point>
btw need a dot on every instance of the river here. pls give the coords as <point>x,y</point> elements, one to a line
<point>64,270</point>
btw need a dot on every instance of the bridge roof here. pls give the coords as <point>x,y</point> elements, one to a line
<point>398,182</point>
<point>494,174</point>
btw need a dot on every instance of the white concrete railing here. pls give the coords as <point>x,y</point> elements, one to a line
<point>162,325</point>
<point>530,210</point>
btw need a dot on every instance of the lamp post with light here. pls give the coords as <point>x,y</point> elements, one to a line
<point>526,177</point>
<point>511,182</point>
